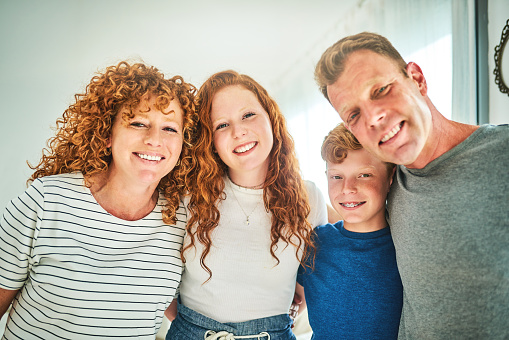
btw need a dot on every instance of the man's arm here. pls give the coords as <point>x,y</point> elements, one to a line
<point>6,297</point>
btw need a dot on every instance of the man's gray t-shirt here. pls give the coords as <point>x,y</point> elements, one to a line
<point>450,226</point>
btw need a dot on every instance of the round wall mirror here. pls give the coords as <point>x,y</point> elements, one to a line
<point>502,62</point>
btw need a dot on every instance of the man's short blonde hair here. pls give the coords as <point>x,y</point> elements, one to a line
<point>332,63</point>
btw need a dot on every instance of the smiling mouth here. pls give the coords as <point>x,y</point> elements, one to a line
<point>245,148</point>
<point>149,157</point>
<point>391,133</point>
<point>352,204</point>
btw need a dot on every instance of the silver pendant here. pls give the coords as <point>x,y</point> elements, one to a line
<point>247,220</point>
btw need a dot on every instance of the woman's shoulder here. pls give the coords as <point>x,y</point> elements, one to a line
<point>69,180</point>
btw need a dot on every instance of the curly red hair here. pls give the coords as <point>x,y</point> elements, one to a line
<point>81,139</point>
<point>284,194</point>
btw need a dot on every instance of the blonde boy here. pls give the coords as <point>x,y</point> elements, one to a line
<point>354,291</point>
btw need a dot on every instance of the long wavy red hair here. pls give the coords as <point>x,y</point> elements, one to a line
<point>284,194</point>
<point>81,139</point>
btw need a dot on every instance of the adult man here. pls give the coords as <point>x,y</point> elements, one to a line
<point>449,203</point>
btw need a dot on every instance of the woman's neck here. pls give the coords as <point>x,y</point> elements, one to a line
<point>121,200</point>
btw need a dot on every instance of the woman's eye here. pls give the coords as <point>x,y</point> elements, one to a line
<point>221,126</point>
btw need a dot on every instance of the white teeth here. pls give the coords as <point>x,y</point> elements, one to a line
<point>149,158</point>
<point>391,133</point>
<point>245,148</point>
<point>350,205</point>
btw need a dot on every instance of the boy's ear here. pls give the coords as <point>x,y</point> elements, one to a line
<point>392,176</point>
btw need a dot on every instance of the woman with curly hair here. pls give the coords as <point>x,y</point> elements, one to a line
<point>251,217</point>
<point>92,248</point>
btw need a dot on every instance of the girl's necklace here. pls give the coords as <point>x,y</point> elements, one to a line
<point>240,205</point>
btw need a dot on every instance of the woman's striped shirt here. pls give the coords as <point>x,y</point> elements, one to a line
<point>81,272</point>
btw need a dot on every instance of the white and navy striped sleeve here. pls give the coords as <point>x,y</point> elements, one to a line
<point>18,233</point>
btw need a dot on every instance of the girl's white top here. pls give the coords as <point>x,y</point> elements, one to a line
<point>247,282</point>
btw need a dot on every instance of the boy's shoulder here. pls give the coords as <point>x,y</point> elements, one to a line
<point>328,229</point>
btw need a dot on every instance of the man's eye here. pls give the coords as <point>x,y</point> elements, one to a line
<point>353,116</point>
<point>382,90</point>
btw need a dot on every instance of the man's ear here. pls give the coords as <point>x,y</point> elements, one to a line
<point>415,73</point>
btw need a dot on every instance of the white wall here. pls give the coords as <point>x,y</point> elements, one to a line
<point>421,31</point>
<point>49,50</point>
<point>498,14</point>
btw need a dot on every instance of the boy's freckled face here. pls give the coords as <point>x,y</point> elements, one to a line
<point>358,189</point>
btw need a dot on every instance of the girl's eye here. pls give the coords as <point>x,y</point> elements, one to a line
<point>249,114</point>
<point>221,126</point>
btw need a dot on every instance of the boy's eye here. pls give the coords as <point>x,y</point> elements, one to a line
<point>365,175</point>
<point>336,177</point>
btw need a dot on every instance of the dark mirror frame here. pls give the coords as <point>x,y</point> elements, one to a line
<point>499,52</point>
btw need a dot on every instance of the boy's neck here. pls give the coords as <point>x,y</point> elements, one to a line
<point>362,228</point>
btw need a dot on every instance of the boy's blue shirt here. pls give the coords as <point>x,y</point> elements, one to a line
<point>355,290</point>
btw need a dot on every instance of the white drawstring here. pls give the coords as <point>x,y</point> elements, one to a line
<point>223,335</point>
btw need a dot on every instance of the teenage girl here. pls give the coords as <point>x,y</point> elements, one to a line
<point>251,218</point>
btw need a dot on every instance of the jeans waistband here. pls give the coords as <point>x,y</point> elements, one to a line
<point>269,324</point>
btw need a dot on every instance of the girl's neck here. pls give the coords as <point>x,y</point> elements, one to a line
<point>247,180</point>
